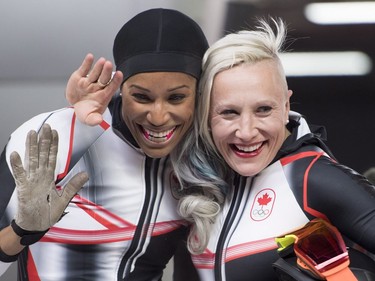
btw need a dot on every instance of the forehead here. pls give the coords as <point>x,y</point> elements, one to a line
<point>165,81</point>
<point>254,81</point>
<point>254,69</point>
<point>264,73</point>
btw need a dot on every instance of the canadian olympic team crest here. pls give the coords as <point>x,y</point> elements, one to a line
<point>263,204</point>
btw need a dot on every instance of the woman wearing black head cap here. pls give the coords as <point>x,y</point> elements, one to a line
<point>123,224</point>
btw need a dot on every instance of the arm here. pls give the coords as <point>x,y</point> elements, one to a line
<point>90,89</point>
<point>10,244</point>
<point>40,204</point>
<point>183,267</point>
<point>346,198</point>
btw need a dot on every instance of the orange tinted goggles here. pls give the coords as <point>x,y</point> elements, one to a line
<point>320,250</point>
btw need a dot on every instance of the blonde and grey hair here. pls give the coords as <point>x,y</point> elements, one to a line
<point>244,47</point>
<point>200,168</point>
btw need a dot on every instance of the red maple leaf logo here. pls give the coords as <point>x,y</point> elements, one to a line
<point>264,200</point>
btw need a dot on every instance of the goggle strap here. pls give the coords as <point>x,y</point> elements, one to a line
<point>285,242</point>
<point>344,274</point>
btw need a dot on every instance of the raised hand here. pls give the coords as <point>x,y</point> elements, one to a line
<point>40,204</point>
<point>90,89</point>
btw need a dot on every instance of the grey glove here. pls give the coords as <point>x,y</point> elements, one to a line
<point>40,204</point>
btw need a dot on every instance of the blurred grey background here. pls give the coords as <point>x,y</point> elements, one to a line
<point>43,41</point>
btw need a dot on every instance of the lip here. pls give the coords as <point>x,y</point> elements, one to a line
<point>158,137</point>
<point>247,151</point>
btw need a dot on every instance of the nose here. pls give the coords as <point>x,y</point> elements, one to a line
<point>247,128</point>
<point>158,114</point>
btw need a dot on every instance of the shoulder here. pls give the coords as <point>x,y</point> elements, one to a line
<point>54,118</point>
<point>332,173</point>
<point>72,133</point>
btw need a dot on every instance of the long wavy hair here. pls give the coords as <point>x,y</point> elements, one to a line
<point>202,172</point>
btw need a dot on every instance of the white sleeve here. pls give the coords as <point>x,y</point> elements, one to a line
<point>4,267</point>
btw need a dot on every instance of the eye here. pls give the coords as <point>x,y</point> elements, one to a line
<point>141,97</point>
<point>227,112</point>
<point>176,98</point>
<point>264,109</point>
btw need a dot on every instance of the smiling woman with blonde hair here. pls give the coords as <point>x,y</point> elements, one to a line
<point>261,169</point>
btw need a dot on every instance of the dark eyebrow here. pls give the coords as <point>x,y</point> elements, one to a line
<point>147,90</point>
<point>178,87</point>
<point>138,87</point>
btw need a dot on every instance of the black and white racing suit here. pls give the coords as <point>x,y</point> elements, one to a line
<point>302,183</point>
<point>122,225</point>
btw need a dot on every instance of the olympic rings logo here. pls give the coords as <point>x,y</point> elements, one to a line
<point>263,204</point>
<point>261,212</point>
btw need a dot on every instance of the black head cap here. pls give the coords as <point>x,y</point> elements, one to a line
<point>160,40</point>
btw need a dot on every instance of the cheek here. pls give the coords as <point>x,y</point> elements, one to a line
<point>131,114</point>
<point>128,106</point>
<point>276,122</point>
<point>184,111</point>
<point>189,120</point>
<point>219,134</point>
<point>276,131</point>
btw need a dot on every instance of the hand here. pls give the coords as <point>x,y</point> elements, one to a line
<point>91,90</point>
<point>40,204</point>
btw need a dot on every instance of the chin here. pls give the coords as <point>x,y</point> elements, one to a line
<point>246,172</point>
<point>157,153</point>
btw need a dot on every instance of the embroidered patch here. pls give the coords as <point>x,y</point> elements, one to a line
<point>263,204</point>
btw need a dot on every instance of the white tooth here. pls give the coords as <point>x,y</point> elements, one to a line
<point>249,148</point>
<point>158,134</point>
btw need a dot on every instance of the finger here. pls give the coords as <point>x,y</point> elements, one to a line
<point>59,201</point>
<point>115,83</point>
<point>96,71</point>
<point>19,172</point>
<point>73,186</point>
<point>105,96</point>
<point>31,152</point>
<point>106,74</point>
<point>78,80</point>
<point>45,138</point>
<point>53,150</point>
<point>86,65</point>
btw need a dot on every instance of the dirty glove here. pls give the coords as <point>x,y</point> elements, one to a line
<point>40,204</point>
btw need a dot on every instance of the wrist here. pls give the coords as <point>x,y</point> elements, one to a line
<point>8,258</point>
<point>27,237</point>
